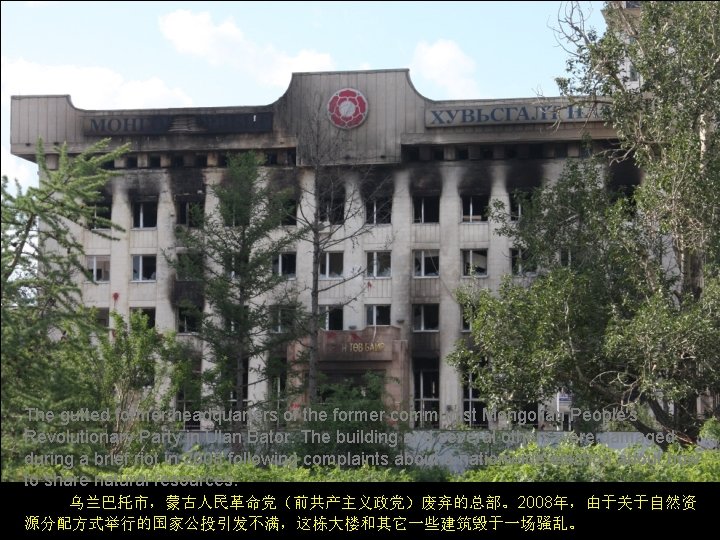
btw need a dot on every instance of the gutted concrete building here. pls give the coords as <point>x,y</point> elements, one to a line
<point>444,161</point>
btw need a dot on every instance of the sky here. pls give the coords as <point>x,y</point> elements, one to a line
<point>115,55</point>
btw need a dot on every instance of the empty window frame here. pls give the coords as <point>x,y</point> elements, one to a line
<point>145,214</point>
<point>103,214</point>
<point>474,409</point>
<point>474,262</point>
<point>377,315</point>
<point>190,213</point>
<point>235,263</point>
<point>379,264</point>
<point>144,267</point>
<point>98,268</point>
<point>102,317</point>
<point>426,317</point>
<point>149,313</point>
<point>378,210</point>
<point>289,218</point>
<point>189,319</point>
<point>516,203</point>
<point>521,263</point>
<point>331,265</point>
<point>282,319</point>
<point>475,208</point>
<point>332,210</point>
<point>332,317</point>
<point>426,209</point>
<point>426,375</point>
<point>284,265</point>
<point>427,263</point>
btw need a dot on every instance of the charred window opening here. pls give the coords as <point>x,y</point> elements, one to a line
<point>154,162</point>
<point>426,209</point>
<point>291,157</point>
<point>511,152</point>
<point>189,318</point>
<point>223,161</point>
<point>332,207</point>
<point>201,161</point>
<point>289,218</point>
<point>149,314</point>
<point>475,207</point>
<point>410,154</point>
<point>190,213</point>
<point>108,165</point>
<point>177,161</point>
<point>285,188</point>
<point>437,153</point>
<point>332,317</point>
<point>144,210</point>
<point>271,158</point>
<point>377,192</point>
<point>462,153</point>
<point>523,180</point>
<point>102,212</point>
<point>425,188</point>
<point>131,162</point>
<point>483,153</point>
<point>561,150</point>
<point>426,377</point>
<point>624,180</point>
<point>535,151</point>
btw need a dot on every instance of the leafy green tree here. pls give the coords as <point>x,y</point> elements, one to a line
<point>41,259</point>
<point>228,262</point>
<point>624,311</point>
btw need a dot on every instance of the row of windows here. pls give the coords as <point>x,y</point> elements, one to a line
<point>378,211</point>
<point>426,263</point>
<point>426,317</point>
<point>145,214</point>
<point>379,265</point>
<point>285,157</point>
<point>486,152</point>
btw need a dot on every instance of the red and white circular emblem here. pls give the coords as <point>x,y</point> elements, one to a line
<point>347,108</point>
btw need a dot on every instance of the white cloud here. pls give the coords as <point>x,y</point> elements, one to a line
<point>196,34</point>
<point>445,64</point>
<point>25,172</point>
<point>90,87</point>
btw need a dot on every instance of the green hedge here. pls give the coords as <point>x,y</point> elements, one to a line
<point>563,463</point>
<point>570,463</point>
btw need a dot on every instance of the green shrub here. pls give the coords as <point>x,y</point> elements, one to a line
<point>598,463</point>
